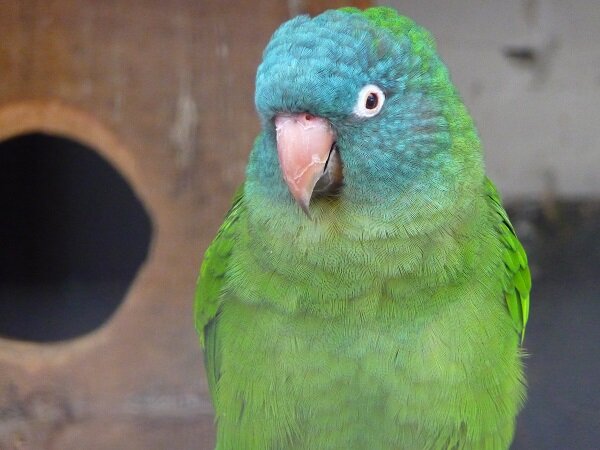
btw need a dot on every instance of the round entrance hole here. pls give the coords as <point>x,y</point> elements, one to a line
<point>72,237</point>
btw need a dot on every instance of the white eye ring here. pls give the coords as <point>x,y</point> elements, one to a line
<point>370,101</point>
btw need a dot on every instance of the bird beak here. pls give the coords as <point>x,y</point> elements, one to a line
<point>304,143</point>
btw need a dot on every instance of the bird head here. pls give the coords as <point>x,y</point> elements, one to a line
<point>357,106</point>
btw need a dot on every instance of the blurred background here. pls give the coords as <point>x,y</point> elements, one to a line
<point>124,131</point>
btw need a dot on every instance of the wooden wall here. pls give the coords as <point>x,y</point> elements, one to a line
<point>164,91</point>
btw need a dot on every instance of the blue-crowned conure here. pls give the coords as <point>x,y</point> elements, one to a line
<point>367,289</point>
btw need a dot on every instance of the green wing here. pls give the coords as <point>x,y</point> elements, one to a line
<point>518,280</point>
<point>210,285</point>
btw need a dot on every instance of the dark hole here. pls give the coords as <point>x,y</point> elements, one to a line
<point>72,238</point>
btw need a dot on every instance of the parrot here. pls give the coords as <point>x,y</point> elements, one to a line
<point>366,289</point>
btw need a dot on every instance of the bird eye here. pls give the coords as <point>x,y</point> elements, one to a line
<point>370,101</point>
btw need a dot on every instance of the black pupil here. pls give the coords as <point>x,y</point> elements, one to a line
<point>372,101</point>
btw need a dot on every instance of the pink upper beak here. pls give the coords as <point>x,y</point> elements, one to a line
<point>303,145</point>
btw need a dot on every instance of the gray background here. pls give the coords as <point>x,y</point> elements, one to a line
<point>529,71</point>
<point>537,117</point>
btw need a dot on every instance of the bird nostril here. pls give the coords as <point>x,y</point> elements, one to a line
<point>308,117</point>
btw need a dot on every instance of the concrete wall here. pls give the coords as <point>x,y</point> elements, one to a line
<point>538,111</point>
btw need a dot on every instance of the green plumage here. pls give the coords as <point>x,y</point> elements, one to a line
<point>392,318</point>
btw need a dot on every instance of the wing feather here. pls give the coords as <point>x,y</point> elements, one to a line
<point>210,285</point>
<point>517,284</point>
